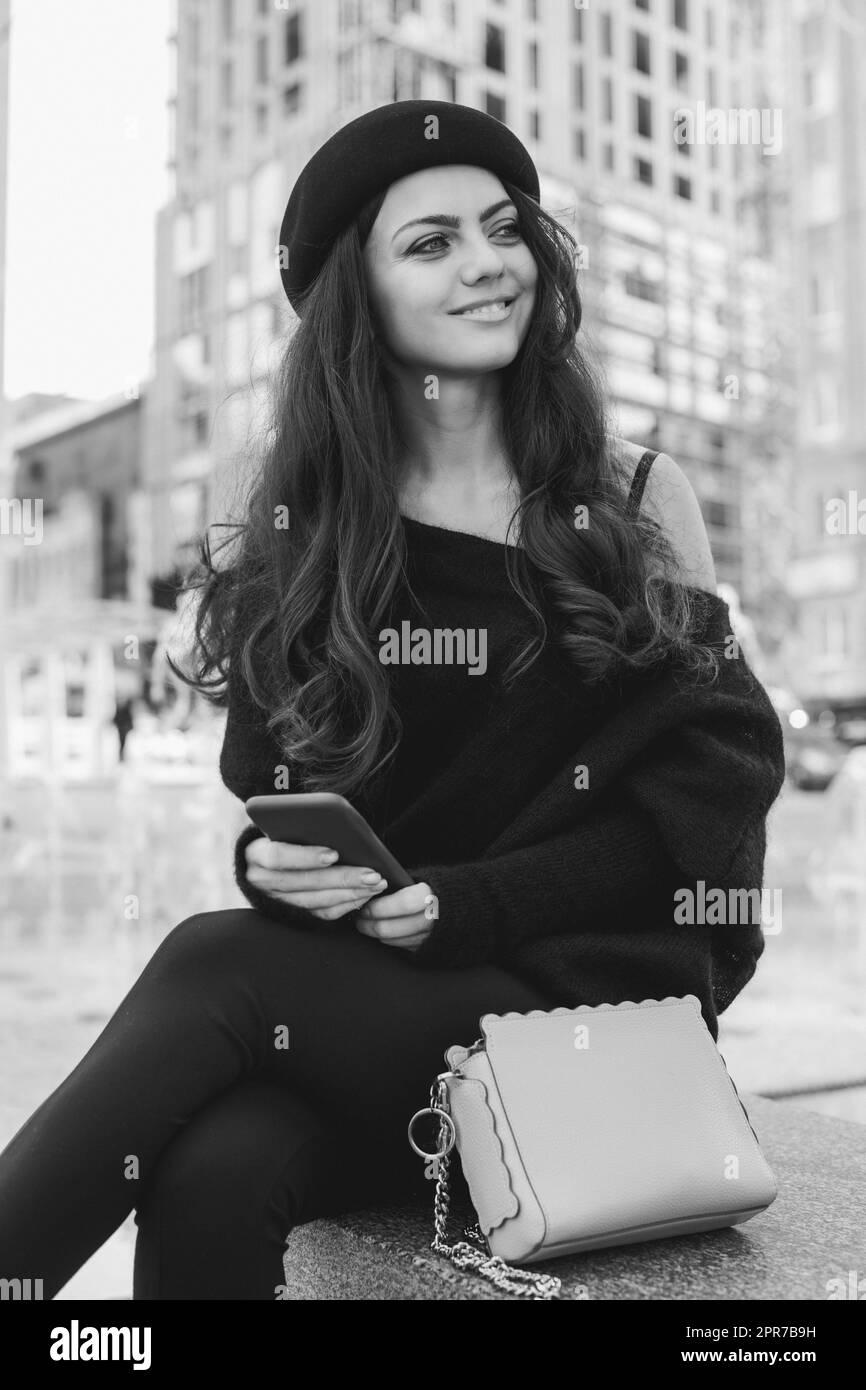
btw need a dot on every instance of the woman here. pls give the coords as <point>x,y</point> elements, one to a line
<point>439,459</point>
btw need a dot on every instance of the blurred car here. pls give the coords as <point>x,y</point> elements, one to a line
<point>813,752</point>
<point>852,730</point>
<point>837,871</point>
<point>813,755</point>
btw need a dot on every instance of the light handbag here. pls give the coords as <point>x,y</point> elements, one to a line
<point>589,1127</point>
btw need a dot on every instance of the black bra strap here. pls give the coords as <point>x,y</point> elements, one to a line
<point>639,481</point>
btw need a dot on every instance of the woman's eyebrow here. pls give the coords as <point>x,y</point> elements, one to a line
<point>447,219</point>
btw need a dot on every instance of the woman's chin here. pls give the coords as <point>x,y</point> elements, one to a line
<point>497,352</point>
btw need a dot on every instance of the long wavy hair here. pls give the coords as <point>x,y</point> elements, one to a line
<point>296,608</point>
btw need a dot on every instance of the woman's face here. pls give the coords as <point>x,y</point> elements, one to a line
<point>423,273</point>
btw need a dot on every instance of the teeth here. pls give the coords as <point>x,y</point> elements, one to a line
<point>486,310</point>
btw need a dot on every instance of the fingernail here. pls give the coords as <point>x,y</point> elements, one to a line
<point>371,877</point>
<point>328,856</point>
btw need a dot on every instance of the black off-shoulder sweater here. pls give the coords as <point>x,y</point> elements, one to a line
<point>566,877</point>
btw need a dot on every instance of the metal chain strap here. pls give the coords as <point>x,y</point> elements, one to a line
<point>460,1253</point>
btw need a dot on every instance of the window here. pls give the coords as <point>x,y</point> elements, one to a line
<point>294,38</point>
<point>577,25</point>
<point>534,125</point>
<point>227,83</point>
<point>641,54</point>
<point>639,287</point>
<point>715,202</point>
<point>533,64</point>
<point>681,70</point>
<point>642,4</point>
<point>494,47</point>
<point>262,58</point>
<point>579,144</point>
<point>680,14</point>
<point>712,91</point>
<point>228,18</point>
<point>494,105</point>
<point>609,158</point>
<point>643,116</point>
<point>606,33</point>
<point>643,171</point>
<point>607,99</point>
<point>682,186</point>
<point>532,11</point>
<point>710,27</point>
<point>292,99</point>
<point>193,291</point>
<point>577,85</point>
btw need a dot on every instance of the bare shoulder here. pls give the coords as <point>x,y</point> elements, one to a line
<point>670,499</point>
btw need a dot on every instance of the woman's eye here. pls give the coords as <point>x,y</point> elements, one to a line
<point>426,245</point>
<point>511,229</point>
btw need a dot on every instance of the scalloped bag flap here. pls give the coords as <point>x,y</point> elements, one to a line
<point>624,1116</point>
<point>481,1155</point>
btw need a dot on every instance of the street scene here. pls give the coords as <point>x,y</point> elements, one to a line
<point>721,285</point>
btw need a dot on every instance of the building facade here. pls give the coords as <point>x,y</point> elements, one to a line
<point>827,576</point>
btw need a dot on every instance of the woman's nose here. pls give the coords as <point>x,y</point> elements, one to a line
<point>480,260</point>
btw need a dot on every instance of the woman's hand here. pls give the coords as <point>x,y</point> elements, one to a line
<point>299,874</point>
<point>403,919</point>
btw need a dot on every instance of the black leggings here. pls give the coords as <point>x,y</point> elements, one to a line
<point>255,1077</point>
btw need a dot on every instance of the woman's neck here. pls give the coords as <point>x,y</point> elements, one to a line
<point>453,453</point>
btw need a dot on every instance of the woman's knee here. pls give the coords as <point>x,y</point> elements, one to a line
<point>205,938</point>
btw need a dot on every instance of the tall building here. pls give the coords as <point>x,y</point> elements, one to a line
<point>828,575</point>
<point>5,34</point>
<point>681,297</point>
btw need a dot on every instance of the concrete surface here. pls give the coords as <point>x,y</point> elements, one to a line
<point>813,1233</point>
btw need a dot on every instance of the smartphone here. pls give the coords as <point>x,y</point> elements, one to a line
<point>324,818</point>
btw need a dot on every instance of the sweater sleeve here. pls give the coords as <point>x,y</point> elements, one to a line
<point>692,807</point>
<point>565,884</point>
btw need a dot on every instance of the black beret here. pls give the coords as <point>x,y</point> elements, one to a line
<point>364,157</point>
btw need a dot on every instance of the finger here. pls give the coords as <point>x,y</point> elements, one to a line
<point>327,897</point>
<point>408,943</point>
<point>307,880</point>
<point>331,914</point>
<point>405,902</point>
<point>279,854</point>
<point>390,929</point>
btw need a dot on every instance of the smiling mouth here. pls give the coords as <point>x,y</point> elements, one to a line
<point>492,312</point>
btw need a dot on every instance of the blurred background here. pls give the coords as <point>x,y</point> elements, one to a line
<point>704,152</point>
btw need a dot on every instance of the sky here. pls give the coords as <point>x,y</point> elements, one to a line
<point>88,142</point>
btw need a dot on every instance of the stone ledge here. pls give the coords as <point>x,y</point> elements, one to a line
<point>810,1235</point>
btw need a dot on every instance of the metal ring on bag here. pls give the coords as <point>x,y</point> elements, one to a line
<point>433,1110</point>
